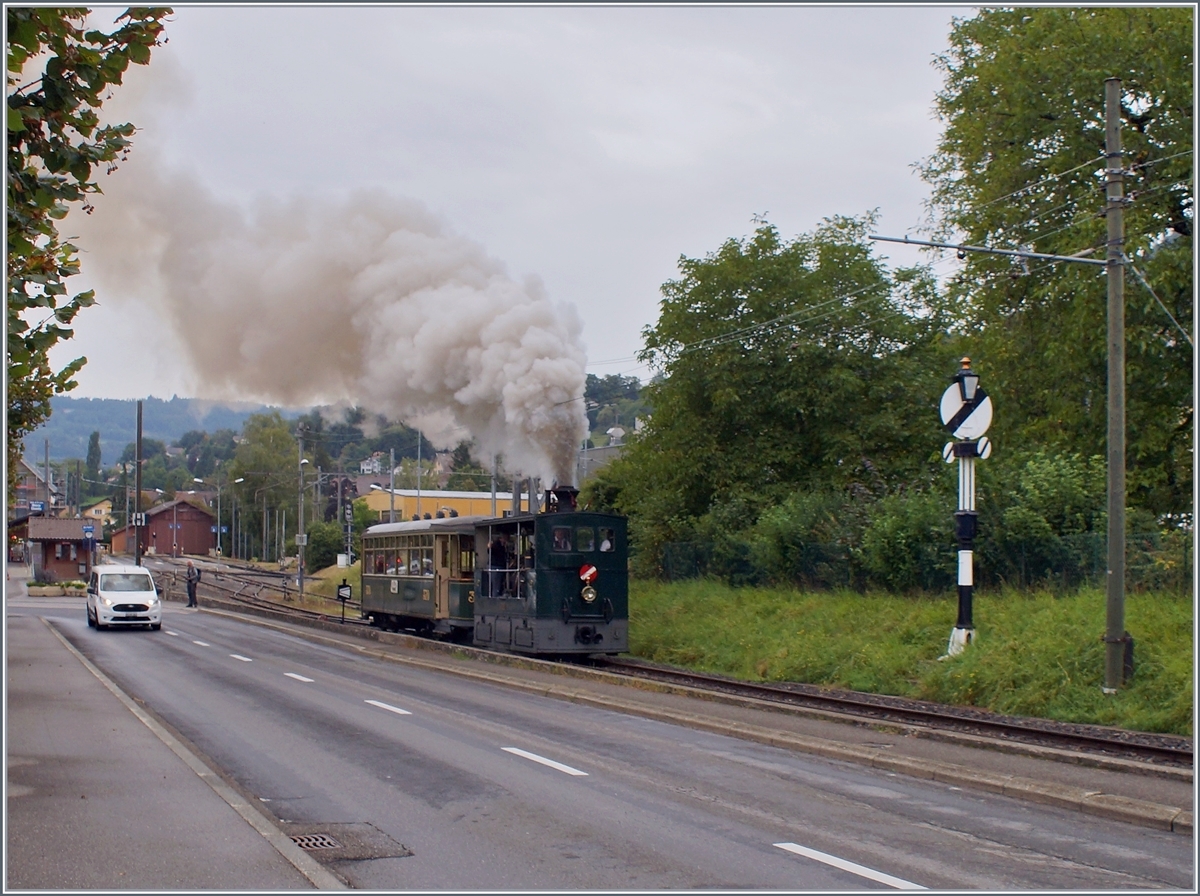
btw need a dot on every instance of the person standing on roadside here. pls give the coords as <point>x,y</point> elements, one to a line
<point>193,578</point>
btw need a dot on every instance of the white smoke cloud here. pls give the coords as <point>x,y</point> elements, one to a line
<point>366,299</point>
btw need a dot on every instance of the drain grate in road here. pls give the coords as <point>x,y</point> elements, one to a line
<point>316,841</point>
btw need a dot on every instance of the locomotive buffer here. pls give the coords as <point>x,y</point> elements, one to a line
<point>966,412</point>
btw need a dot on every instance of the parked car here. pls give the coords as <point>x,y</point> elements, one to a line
<point>119,595</point>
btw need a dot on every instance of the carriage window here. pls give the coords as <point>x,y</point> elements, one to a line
<point>607,541</point>
<point>585,539</point>
<point>562,538</point>
<point>426,561</point>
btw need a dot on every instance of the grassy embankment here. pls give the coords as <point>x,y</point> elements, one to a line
<point>1036,654</point>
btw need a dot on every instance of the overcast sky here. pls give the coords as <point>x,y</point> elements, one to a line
<point>589,147</point>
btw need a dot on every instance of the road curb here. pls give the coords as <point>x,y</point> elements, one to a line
<point>316,873</point>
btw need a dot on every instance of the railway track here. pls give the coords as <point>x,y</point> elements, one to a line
<point>247,586</point>
<point>1159,749</point>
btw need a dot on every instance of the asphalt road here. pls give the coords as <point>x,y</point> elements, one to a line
<point>427,781</point>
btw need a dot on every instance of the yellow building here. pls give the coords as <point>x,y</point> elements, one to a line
<point>409,503</point>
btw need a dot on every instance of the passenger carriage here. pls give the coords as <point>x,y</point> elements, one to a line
<point>420,575</point>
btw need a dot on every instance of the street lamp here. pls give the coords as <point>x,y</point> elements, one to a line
<point>220,545</point>
<point>234,516</point>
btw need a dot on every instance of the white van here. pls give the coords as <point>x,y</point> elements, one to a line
<point>123,595</point>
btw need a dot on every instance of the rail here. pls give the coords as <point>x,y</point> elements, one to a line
<point>1162,749</point>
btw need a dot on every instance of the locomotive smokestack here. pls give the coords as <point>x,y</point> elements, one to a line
<point>561,498</point>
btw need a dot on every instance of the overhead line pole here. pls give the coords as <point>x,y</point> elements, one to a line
<point>1115,636</point>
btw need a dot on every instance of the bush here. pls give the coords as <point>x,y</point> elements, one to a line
<point>804,541</point>
<point>325,542</point>
<point>909,544</point>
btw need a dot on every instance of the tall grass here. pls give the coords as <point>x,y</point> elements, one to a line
<point>1036,653</point>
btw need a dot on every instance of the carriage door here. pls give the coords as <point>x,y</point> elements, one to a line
<point>441,560</point>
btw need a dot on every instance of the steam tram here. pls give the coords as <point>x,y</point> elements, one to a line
<point>548,581</point>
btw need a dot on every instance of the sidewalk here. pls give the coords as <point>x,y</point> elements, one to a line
<point>97,800</point>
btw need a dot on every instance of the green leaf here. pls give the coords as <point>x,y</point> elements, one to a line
<point>16,123</point>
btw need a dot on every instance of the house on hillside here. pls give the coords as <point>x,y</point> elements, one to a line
<point>373,465</point>
<point>98,511</point>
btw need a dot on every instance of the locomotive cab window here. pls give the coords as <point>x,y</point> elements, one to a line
<point>562,538</point>
<point>607,541</point>
<point>585,539</point>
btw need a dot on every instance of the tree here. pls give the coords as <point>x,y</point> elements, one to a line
<point>789,365</point>
<point>93,462</point>
<point>58,75</point>
<point>266,462</point>
<point>1020,164</point>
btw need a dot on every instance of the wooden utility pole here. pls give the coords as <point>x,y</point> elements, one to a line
<point>1114,633</point>
<point>301,536</point>
<point>137,491</point>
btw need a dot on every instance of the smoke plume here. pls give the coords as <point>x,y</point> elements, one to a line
<point>366,300</point>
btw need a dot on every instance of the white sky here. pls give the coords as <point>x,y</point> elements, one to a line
<point>588,146</point>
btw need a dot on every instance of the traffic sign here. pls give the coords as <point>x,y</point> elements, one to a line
<point>37,506</point>
<point>139,519</point>
<point>343,592</point>
<point>88,528</point>
<point>966,419</point>
<point>301,540</point>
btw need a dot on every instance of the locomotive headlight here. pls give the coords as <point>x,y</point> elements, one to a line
<point>588,593</point>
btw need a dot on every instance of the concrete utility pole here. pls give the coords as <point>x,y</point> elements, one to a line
<point>137,490</point>
<point>1117,643</point>
<point>392,485</point>
<point>46,512</point>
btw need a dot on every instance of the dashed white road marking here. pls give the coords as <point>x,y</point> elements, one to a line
<point>396,709</point>
<point>202,643</point>
<point>244,659</point>
<point>173,634</point>
<point>853,868</point>
<point>297,677</point>
<point>544,761</point>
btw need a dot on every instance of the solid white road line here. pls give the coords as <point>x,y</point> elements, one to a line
<point>544,761</point>
<point>202,643</point>
<point>396,709</point>
<point>244,659</point>
<point>860,870</point>
<point>297,677</point>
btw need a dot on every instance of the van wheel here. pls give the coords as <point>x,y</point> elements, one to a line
<point>99,627</point>
<point>155,626</point>
<point>91,621</point>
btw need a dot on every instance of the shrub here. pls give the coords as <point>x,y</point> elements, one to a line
<point>909,543</point>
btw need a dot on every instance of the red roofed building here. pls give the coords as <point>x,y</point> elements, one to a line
<point>177,527</point>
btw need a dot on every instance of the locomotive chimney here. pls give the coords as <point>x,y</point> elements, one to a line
<point>561,498</point>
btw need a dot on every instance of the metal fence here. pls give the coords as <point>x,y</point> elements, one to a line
<point>1153,561</point>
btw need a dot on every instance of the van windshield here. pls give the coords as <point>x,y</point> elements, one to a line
<point>126,581</point>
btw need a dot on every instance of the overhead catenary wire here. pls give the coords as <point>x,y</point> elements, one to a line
<point>1142,279</point>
